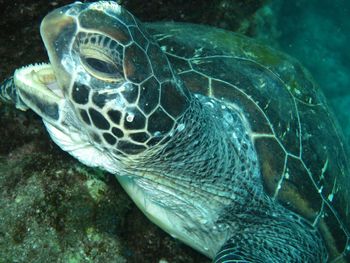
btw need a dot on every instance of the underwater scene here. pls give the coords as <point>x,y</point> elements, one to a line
<point>227,147</point>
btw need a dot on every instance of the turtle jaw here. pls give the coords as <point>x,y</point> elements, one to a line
<point>38,78</point>
<point>37,86</point>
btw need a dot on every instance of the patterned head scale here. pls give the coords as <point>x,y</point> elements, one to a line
<point>116,77</point>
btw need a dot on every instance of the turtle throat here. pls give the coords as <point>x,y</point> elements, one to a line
<point>207,166</point>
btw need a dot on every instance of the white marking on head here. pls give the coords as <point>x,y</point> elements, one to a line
<point>105,5</point>
<point>130,117</point>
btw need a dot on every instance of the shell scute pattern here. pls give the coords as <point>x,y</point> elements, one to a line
<point>182,64</point>
<point>295,77</point>
<point>271,168</point>
<point>250,80</point>
<point>256,118</point>
<point>303,162</point>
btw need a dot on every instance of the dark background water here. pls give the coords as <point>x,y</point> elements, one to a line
<point>47,211</point>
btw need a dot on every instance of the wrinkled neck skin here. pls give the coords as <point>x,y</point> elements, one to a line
<point>207,165</point>
<point>209,149</point>
<point>204,188</point>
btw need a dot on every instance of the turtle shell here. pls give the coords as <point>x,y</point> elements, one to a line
<point>303,160</point>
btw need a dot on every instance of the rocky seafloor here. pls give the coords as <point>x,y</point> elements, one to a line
<point>54,209</point>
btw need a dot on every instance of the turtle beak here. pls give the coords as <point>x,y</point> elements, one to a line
<point>37,87</point>
<point>41,85</point>
<point>57,31</point>
<point>38,78</point>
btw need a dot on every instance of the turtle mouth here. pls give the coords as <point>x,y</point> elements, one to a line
<point>38,79</point>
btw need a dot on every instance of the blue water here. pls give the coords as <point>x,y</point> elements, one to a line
<point>317,32</point>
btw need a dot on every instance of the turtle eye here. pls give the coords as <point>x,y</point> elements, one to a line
<point>100,56</point>
<point>101,68</point>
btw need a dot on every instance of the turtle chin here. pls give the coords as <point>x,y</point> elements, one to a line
<point>77,144</point>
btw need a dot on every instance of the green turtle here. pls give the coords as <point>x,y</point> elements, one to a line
<point>222,142</point>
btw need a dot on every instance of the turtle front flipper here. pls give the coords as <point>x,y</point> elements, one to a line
<point>242,251</point>
<point>9,94</point>
<point>280,237</point>
<point>230,253</point>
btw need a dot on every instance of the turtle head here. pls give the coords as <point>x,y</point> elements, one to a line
<point>117,87</point>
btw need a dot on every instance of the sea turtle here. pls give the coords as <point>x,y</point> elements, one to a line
<point>224,143</point>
